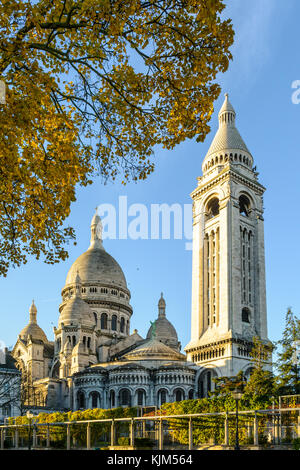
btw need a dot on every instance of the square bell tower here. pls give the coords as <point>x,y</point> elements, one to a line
<point>228,277</point>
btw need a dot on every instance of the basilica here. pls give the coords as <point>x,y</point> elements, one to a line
<point>97,360</point>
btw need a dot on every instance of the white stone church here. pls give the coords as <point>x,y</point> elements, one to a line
<point>95,360</point>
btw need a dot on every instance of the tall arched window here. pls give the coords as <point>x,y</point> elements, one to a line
<point>112,399</point>
<point>114,322</point>
<point>95,399</point>
<point>80,400</point>
<point>178,395</point>
<point>162,397</point>
<point>211,276</point>
<point>104,321</point>
<point>122,325</point>
<point>140,397</point>
<point>125,397</point>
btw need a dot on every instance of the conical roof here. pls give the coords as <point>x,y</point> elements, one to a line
<point>227,136</point>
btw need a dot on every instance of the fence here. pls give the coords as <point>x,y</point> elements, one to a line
<point>255,428</point>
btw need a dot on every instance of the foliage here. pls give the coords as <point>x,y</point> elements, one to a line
<point>100,432</point>
<point>206,428</point>
<point>92,87</point>
<point>288,380</point>
<point>261,384</point>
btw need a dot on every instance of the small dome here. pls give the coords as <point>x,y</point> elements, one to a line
<point>154,350</point>
<point>33,329</point>
<point>162,329</point>
<point>76,310</point>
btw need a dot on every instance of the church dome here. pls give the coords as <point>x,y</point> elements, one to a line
<point>33,329</point>
<point>162,328</point>
<point>96,264</point>
<point>153,349</point>
<point>76,310</point>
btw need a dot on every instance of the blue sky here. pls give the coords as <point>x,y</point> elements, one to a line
<point>259,83</point>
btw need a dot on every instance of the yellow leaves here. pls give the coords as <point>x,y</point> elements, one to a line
<point>96,97</point>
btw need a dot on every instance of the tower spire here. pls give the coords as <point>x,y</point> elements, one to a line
<point>96,231</point>
<point>161,306</point>
<point>32,312</point>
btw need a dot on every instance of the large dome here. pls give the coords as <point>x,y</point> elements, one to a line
<point>96,265</point>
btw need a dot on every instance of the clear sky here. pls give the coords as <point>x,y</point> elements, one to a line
<point>259,83</point>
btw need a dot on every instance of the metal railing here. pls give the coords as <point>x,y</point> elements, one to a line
<point>270,427</point>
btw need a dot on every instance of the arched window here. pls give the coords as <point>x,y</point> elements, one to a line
<point>246,315</point>
<point>245,205</point>
<point>212,208</point>
<point>191,394</point>
<point>95,399</point>
<point>178,395</point>
<point>112,399</point>
<point>104,321</point>
<point>114,322</point>
<point>125,397</point>
<point>80,400</point>
<point>122,325</point>
<point>140,397</point>
<point>162,397</point>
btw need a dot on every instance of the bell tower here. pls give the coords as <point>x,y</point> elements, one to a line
<point>228,278</point>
